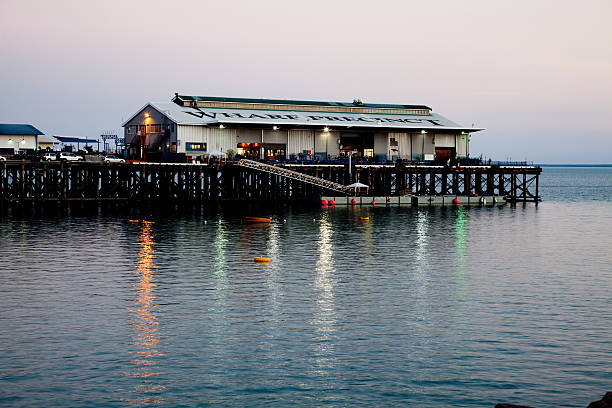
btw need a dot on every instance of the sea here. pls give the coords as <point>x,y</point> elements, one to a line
<point>370,307</point>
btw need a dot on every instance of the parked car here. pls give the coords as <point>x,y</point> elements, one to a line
<point>49,156</point>
<point>69,156</point>
<point>112,159</point>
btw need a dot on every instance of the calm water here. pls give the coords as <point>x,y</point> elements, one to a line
<point>428,307</point>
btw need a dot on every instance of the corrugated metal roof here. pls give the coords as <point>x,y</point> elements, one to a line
<point>18,129</point>
<point>292,102</point>
<point>216,116</point>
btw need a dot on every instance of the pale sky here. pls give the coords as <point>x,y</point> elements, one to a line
<point>536,74</point>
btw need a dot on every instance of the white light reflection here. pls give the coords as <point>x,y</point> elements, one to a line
<point>220,271</point>
<point>146,337</point>
<point>324,318</point>
<point>272,269</point>
<point>422,252</point>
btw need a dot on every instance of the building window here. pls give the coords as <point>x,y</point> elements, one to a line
<point>155,128</point>
<point>392,141</point>
<point>201,147</point>
<point>368,152</point>
<point>132,129</point>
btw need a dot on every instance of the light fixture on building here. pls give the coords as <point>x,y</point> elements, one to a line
<point>22,141</point>
<point>275,127</point>
<point>326,129</point>
<point>221,126</point>
<point>147,115</point>
<point>423,132</point>
<point>10,141</point>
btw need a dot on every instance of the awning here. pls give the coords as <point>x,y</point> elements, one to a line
<point>75,139</point>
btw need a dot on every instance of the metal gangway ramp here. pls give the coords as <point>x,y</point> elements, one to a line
<point>294,175</point>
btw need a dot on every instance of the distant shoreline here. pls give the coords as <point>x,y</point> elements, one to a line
<point>575,165</point>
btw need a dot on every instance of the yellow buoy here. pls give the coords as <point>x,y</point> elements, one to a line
<point>261,259</point>
<point>365,218</point>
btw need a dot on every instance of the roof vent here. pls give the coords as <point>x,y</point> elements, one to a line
<point>357,102</point>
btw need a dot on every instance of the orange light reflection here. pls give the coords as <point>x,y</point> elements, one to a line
<point>146,336</point>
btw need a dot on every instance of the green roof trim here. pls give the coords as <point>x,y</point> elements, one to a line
<point>292,102</point>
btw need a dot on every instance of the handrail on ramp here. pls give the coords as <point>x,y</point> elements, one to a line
<point>294,175</point>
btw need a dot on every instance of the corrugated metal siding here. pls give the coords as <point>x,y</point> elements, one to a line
<point>327,141</point>
<point>445,140</point>
<point>299,140</point>
<point>192,134</point>
<point>462,145</point>
<point>275,136</point>
<point>403,144</point>
<point>381,144</point>
<point>216,139</point>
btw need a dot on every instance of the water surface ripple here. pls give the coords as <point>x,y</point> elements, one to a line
<point>428,307</point>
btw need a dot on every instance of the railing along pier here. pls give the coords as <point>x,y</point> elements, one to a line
<point>69,181</point>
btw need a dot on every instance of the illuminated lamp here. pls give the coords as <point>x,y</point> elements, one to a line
<point>221,126</point>
<point>274,127</point>
<point>147,115</point>
<point>423,132</point>
<point>326,129</point>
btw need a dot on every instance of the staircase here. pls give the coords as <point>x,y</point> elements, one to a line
<point>294,175</point>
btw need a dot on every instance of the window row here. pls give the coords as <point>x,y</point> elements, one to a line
<point>152,128</point>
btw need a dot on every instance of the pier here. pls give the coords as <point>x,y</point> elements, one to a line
<point>95,181</point>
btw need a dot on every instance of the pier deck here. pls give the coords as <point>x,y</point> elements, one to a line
<point>70,181</point>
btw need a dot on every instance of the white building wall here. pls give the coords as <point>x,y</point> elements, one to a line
<point>329,141</point>
<point>300,140</point>
<point>403,145</point>
<point>381,144</point>
<point>275,136</point>
<point>462,145</point>
<point>17,142</point>
<point>445,140</point>
<point>216,139</point>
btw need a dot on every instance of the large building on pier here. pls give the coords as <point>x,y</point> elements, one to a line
<point>282,129</point>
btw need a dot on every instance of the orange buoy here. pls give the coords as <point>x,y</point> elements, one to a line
<point>353,201</point>
<point>332,203</point>
<point>373,203</point>
<point>455,201</point>
<point>323,202</point>
<point>255,220</point>
<point>261,259</point>
<point>475,194</point>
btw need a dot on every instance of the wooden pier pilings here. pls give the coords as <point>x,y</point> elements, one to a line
<point>83,181</point>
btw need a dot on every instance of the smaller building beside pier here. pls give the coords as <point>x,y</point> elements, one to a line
<point>18,137</point>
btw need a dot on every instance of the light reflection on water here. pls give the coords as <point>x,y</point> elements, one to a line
<point>427,307</point>
<point>324,318</point>
<point>146,338</point>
